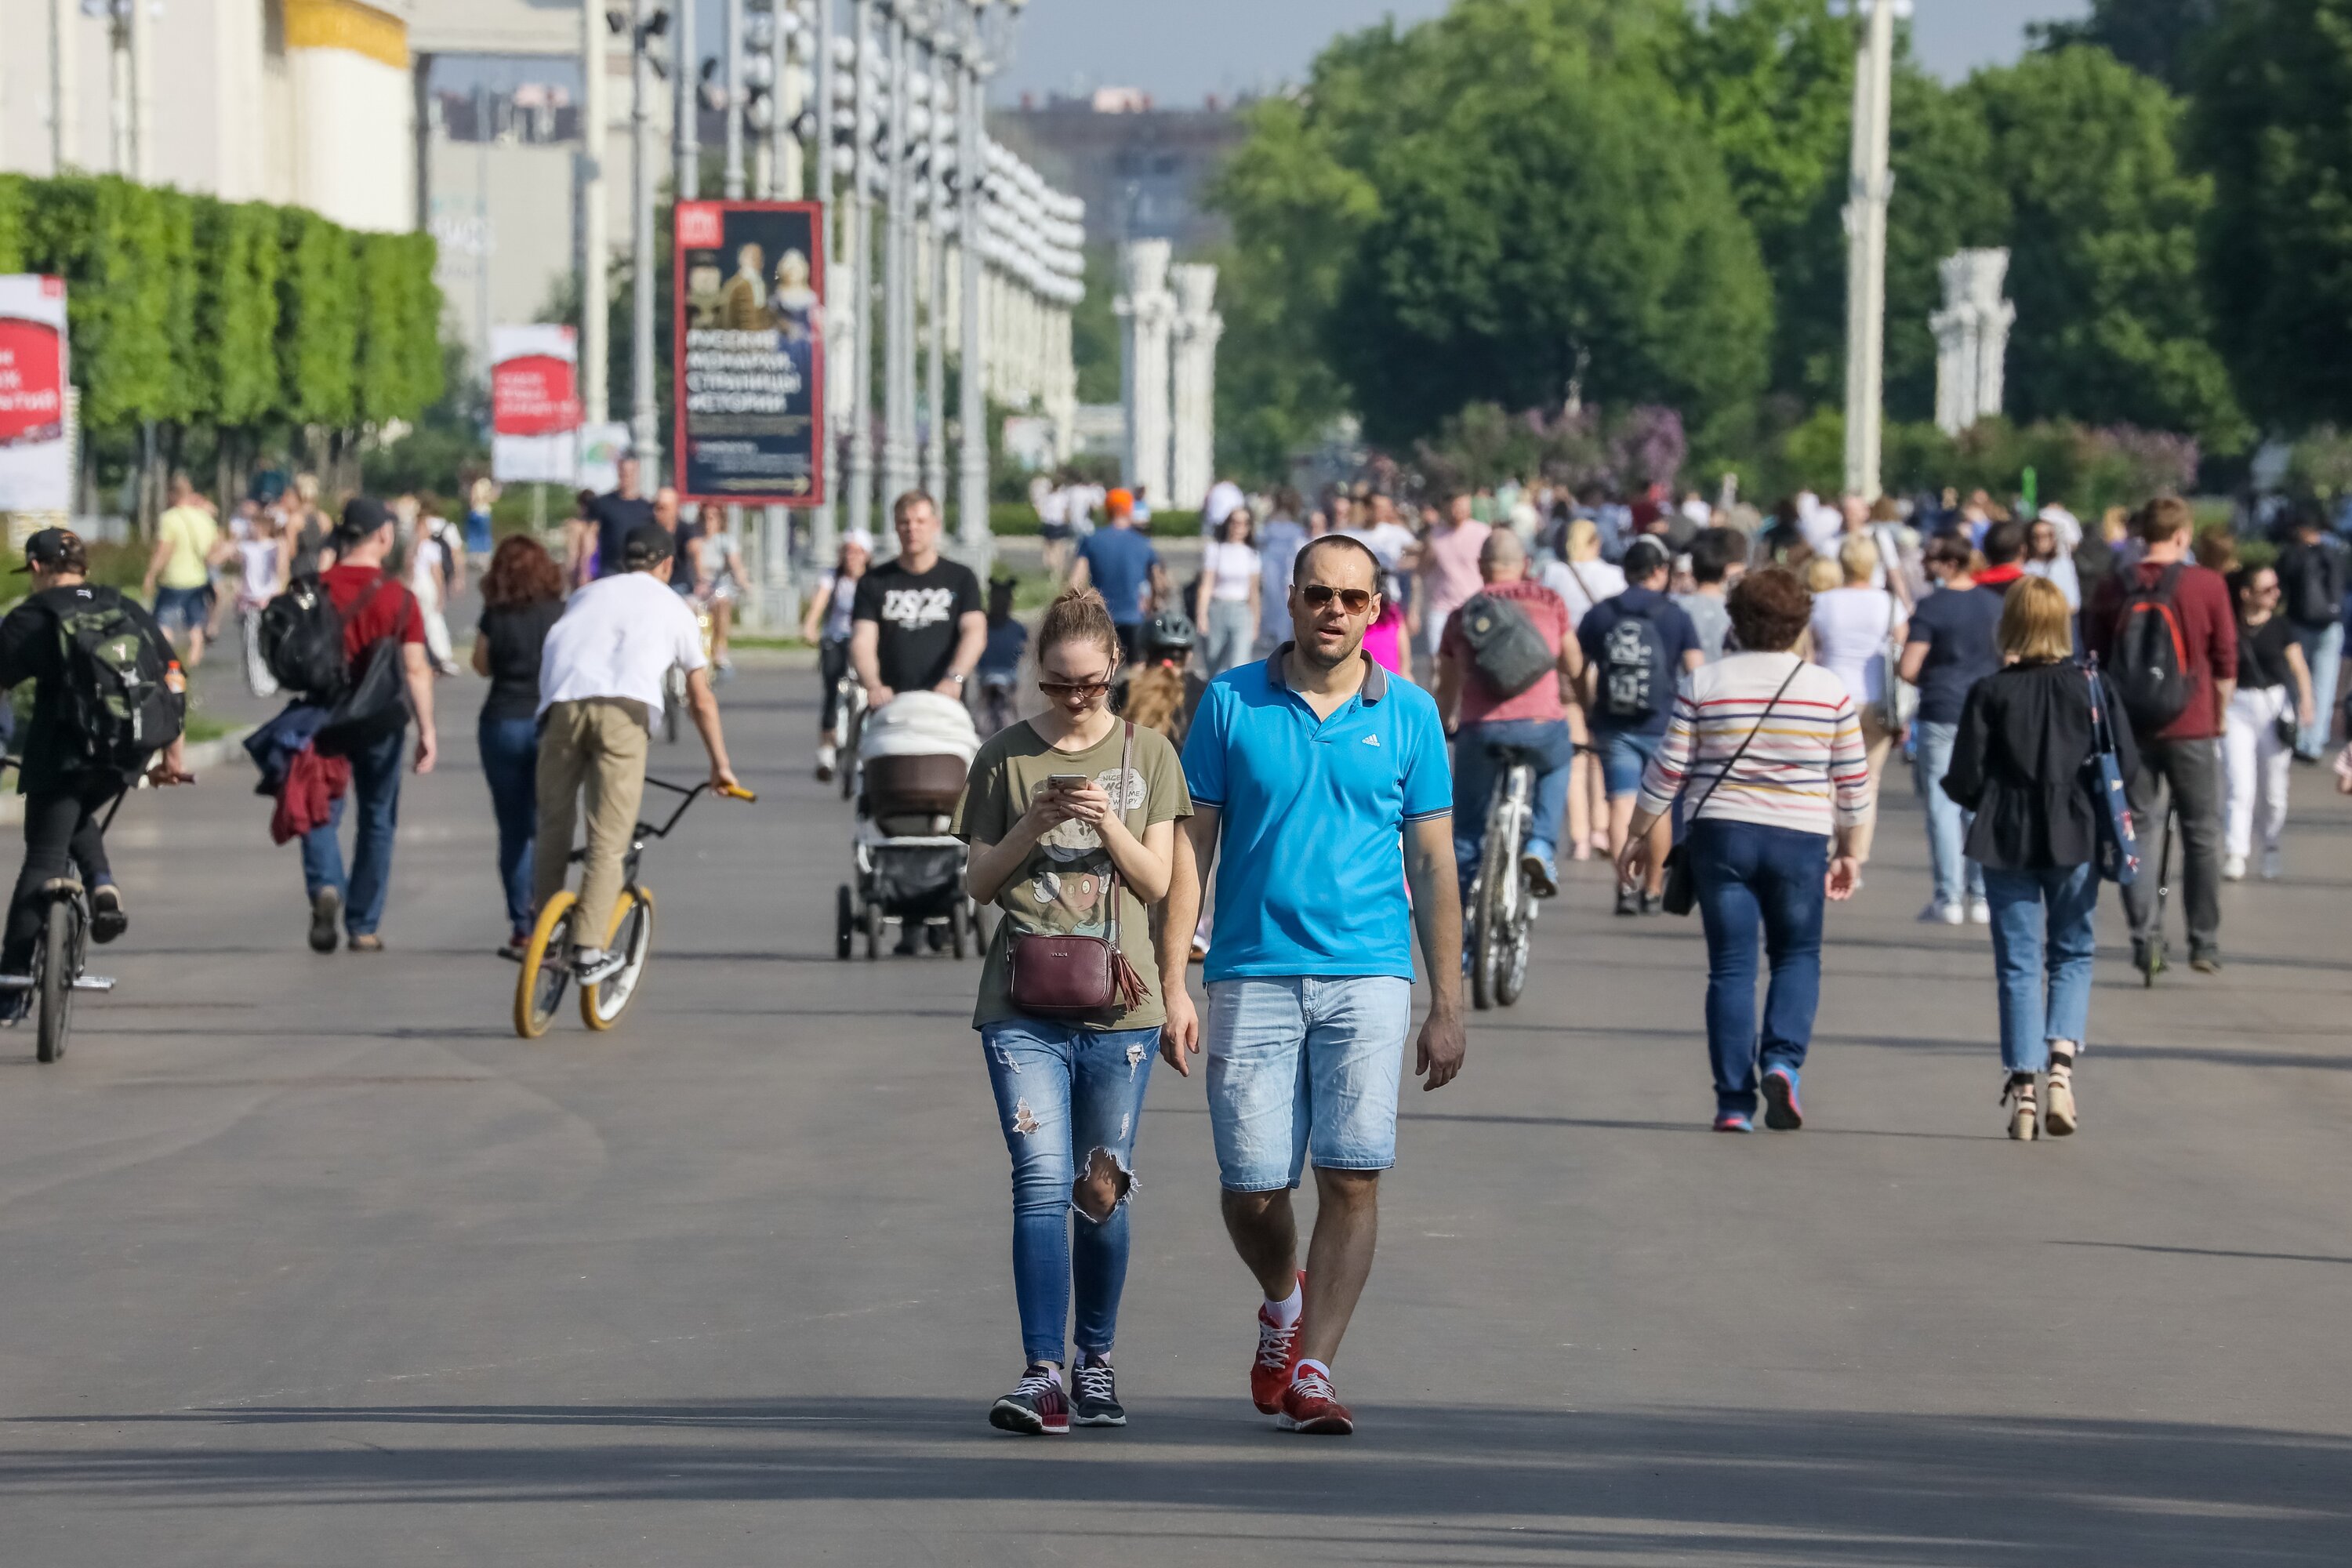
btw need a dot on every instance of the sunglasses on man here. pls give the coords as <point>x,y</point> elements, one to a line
<point>1319,596</point>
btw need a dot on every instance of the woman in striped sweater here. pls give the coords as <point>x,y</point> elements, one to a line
<point>1769,748</point>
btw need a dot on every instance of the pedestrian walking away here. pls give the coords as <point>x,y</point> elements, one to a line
<point>831,618</point>
<point>522,598</point>
<point>1450,569</point>
<point>381,627</point>
<point>1636,646</point>
<point>1953,643</point>
<point>2030,738</point>
<point>1769,748</point>
<point>1324,780</point>
<point>2271,708</point>
<point>1071,817</point>
<point>1118,562</point>
<point>1000,659</point>
<point>73,763</point>
<point>2165,630</point>
<point>1718,559</point>
<point>599,694</point>
<point>2311,595</point>
<point>1501,693</point>
<point>1856,627</point>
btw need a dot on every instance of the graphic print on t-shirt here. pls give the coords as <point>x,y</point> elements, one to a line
<point>1062,894</point>
<point>911,609</point>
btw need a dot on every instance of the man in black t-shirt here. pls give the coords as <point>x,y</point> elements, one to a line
<point>616,514</point>
<point>919,622</point>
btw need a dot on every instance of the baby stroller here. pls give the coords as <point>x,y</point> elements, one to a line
<point>912,755</point>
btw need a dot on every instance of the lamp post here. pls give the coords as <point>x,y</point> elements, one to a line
<point>822,540</point>
<point>982,48</point>
<point>937,152</point>
<point>645,423</point>
<point>898,274</point>
<point>731,181</point>
<point>595,246</point>
<point>859,275</point>
<point>1871,186</point>
<point>686,103</point>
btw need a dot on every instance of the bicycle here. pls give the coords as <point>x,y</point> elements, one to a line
<point>58,958</point>
<point>848,718</point>
<point>1502,903</point>
<point>546,971</point>
<point>673,677</point>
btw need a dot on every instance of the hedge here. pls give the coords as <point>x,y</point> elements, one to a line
<point>189,311</point>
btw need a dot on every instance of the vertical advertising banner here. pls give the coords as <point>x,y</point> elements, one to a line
<point>534,405</point>
<point>750,359</point>
<point>35,460</point>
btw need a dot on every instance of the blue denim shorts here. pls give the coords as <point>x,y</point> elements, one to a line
<point>1624,754</point>
<point>1302,1065</point>
<point>181,609</point>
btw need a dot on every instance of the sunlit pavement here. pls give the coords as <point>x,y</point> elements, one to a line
<point>310,1260</point>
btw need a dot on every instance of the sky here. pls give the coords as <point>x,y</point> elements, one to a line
<point>1179,52</point>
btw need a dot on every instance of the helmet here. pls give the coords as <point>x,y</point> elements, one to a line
<point>1168,634</point>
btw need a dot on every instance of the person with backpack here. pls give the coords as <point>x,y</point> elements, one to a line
<point>2164,631</point>
<point>1636,647</point>
<point>2311,597</point>
<point>352,643</point>
<point>109,699</point>
<point>1504,658</point>
<point>2026,762</point>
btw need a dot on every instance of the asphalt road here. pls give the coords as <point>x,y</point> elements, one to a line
<point>308,1260</point>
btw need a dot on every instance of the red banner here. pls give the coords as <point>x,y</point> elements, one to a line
<point>32,381</point>
<point>533,395</point>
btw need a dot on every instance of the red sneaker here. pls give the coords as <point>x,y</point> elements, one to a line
<point>1309,1405</point>
<point>1278,1358</point>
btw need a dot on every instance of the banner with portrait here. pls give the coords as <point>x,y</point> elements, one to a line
<point>750,352</point>
<point>36,456</point>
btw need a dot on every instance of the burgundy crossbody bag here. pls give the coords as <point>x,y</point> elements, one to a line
<point>1077,976</point>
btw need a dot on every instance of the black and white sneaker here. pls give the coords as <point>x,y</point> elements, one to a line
<point>593,966</point>
<point>1093,1395</point>
<point>1036,1408</point>
<point>108,918</point>
<point>326,907</point>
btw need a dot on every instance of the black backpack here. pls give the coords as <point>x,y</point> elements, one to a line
<point>2317,578</point>
<point>2150,661</point>
<point>1509,654</point>
<point>1637,684</point>
<point>302,636</point>
<point>122,695</point>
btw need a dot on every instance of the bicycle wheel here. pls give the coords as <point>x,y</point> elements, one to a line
<point>1491,905</point>
<point>58,968</point>
<point>845,921</point>
<point>602,1004</point>
<point>873,932</point>
<point>546,968</point>
<point>1511,970</point>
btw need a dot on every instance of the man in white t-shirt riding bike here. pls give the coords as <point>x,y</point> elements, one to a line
<point>600,695</point>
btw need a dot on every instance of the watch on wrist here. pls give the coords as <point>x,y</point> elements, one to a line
<point>959,679</point>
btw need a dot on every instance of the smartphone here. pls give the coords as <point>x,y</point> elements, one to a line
<point>1066,781</point>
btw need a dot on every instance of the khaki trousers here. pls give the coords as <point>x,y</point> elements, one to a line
<point>596,746</point>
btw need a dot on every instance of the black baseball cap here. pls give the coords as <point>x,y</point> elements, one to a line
<point>648,544</point>
<point>362,515</point>
<point>55,548</point>
<point>1644,557</point>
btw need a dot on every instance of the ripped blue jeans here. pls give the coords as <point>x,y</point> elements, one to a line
<point>1063,1094</point>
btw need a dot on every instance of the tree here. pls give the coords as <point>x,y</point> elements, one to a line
<point>2269,125</point>
<point>2113,326</point>
<point>1094,330</point>
<point>2161,38</point>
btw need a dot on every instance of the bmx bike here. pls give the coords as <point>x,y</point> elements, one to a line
<point>56,972</point>
<point>673,677</point>
<point>546,971</point>
<point>1502,903</point>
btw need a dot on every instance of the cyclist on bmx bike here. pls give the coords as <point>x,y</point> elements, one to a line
<point>601,693</point>
<point>1505,664</point>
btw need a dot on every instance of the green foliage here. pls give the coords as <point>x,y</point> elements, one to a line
<point>2162,38</point>
<point>398,307</point>
<point>1094,330</point>
<point>319,320</point>
<point>2269,123</point>
<point>2320,464</point>
<point>14,195</point>
<point>2103,239</point>
<point>238,305</point>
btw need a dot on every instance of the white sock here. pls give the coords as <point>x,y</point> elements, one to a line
<point>1317,1367</point>
<point>1285,1311</point>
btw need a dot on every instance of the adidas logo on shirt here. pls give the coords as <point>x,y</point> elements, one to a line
<point>1372,740</point>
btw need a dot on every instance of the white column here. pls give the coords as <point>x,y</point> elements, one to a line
<point>823,540</point>
<point>971,370</point>
<point>859,274</point>
<point>935,281</point>
<point>64,66</point>
<point>1865,222</point>
<point>1198,328</point>
<point>686,100</point>
<point>733,65</point>
<point>898,277</point>
<point>595,245</point>
<point>1149,311</point>
<point>644,422</point>
<point>143,92</point>
<point>1971,338</point>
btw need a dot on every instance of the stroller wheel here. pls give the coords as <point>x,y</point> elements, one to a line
<point>845,921</point>
<point>959,929</point>
<point>873,932</point>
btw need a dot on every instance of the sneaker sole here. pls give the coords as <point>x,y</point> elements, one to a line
<point>1538,883</point>
<point>1118,1420</point>
<point>1781,1111</point>
<point>1320,1426</point>
<point>1006,1416</point>
<point>325,910</point>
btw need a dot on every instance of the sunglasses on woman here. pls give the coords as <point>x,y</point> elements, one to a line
<point>1060,689</point>
<point>1319,596</point>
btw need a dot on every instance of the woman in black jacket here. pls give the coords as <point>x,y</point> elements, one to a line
<point>2025,762</point>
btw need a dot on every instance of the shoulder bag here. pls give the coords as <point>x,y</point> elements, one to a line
<point>1057,976</point>
<point>1680,896</point>
<point>1899,700</point>
<point>2118,846</point>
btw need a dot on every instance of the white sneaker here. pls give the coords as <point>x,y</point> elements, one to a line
<point>826,760</point>
<point>2233,869</point>
<point>1942,914</point>
<point>2272,865</point>
<point>1981,911</point>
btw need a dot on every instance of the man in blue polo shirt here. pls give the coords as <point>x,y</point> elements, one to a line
<point>1328,783</point>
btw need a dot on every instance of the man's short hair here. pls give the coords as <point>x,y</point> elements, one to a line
<point>1644,559</point>
<point>1298,567</point>
<point>908,501</point>
<point>2004,542</point>
<point>2164,519</point>
<point>1715,552</point>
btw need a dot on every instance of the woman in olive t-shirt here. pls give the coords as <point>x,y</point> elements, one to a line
<point>1058,829</point>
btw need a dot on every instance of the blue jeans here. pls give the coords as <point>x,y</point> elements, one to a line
<point>1624,756</point>
<point>2323,649</point>
<point>2045,986</point>
<point>1474,783</point>
<point>375,785</point>
<point>1957,875</point>
<point>509,749</point>
<point>1746,876</point>
<point>1064,1094</point>
<point>1301,1065</point>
